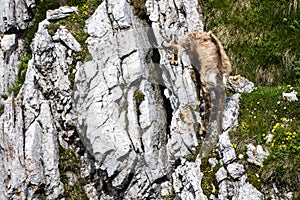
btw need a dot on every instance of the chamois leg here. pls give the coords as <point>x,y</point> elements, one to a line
<point>207,108</point>
<point>217,98</point>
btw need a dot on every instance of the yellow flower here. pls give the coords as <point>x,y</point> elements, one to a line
<point>213,191</point>
<point>282,125</point>
<point>273,130</point>
<point>234,145</point>
<point>283,119</point>
<point>263,135</point>
<point>261,165</point>
<point>272,144</point>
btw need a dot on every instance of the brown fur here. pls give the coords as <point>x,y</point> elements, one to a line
<point>208,57</point>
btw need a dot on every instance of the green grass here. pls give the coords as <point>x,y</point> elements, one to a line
<point>1,109</point>
<point>21,76</point>
<point>69,161</point>
<point>265,112</point>
<point>209,182</point>
<point>139,9</point>
<point>260,37</point>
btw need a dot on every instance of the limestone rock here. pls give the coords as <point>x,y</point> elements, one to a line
<point>68,39</point>
<point>60,13</point>
<point>290,96</point>
<point>240,84</point>
<point>213,162</point>
<point>231,113</point>
<point>256,155</point>
<point>226,151</point>
<point>10,50</point>
<point>187,180</point>
<point>15,15</point>
<point>221,174</point>
<point>248,192</point>
<point>8,41</point>
<point>235,170</point>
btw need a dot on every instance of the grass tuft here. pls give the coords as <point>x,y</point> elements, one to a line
<point>265,113</point>
<point>261,37</point>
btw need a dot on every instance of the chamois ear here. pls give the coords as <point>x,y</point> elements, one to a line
<point>225,62</point>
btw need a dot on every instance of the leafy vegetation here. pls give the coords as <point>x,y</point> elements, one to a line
<point>209,182</point>
<point>268,119</point>
<point>170,196</point>
<point>261,37</point>
<point>139,97</point>
<point>1,109</point>
<point>139,9</point>
<point>21,75</point>
<point>69,161</point>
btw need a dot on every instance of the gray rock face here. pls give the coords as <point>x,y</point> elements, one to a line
<point>235,170</point>
<point>240,84</point>
<point>60,13</point>
<point>256,155</point>
<point>31,128</point>
<point>249,192</point>
<point>15,15</point>
<point>67,39</point>
<point>290,96</point>
<point>221,174</point>
<point>10,50</point>
<point>122,117</point>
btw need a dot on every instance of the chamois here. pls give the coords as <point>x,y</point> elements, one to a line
<point>209,60</point>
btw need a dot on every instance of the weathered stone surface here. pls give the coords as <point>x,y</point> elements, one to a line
<point>213,162</point>
<point>60,13</point>
<point>15,15</point>
<point>221,174</point>
<point>256,155</point>
<point>290,96</point>
<point>8,41</point>
<point>248,192</point>
<point>235,170</point>
<point>240,84</point>
<point>35,120</point>
<point>68,39</point>
<point>187,178</point>
<point>231,113</point>
<point>10,50</point>
<point>226,151</point>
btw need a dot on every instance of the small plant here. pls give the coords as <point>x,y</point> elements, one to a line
<point>69,161</point>
<point>268,119</point>
<point>21,75</point>
<point>170,196</point>
<point>209,182</point>
<point>139,9</point>
<point>1,109</point>
<point>139,96</point>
